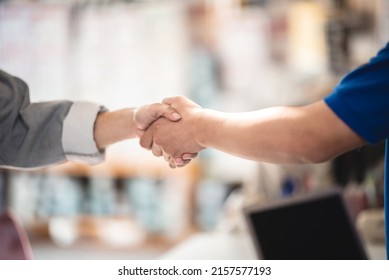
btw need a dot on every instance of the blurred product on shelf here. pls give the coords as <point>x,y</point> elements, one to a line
<point>372,225</point>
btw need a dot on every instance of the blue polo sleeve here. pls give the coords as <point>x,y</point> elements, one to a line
<point>361,99</point>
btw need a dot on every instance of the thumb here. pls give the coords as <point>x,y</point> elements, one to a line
<point>168,112</point>
<point>169,100</point>
<point>157,110</point>
<point>144,116</point>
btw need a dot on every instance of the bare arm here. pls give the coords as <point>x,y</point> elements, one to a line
<point>308,134</point>
<point>305,134</point>
<point>45,133</point>
<point>115,126</point>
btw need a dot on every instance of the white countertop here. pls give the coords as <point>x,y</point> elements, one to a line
<point>233,246</point>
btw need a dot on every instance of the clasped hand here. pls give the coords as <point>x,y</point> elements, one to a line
<point>176,141</point>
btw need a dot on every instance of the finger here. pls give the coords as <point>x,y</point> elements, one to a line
<point>169,100</point>
<point>144,116</point>
<point>181,166</point>
<point>139,133</point>
<point>174,100</point>
<point>146,141</point>
<point>166,157</point>
<point>179,162</point>
<point>171,114</point>
<point>158,110</point>
<point>171,164</point>
<point>188,156</point>
<point>156,150</point>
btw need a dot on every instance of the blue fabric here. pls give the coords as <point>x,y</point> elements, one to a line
<point>361,100</point>
<point>386,198</point>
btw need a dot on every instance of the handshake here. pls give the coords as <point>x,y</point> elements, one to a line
<point>178,129</point>
<point>168,129</point>
<point>173,136</point>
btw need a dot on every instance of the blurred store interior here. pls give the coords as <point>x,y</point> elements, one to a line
<point>228,55</point>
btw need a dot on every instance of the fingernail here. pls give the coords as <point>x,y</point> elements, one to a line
<point>178,161</point>
<point>176,116</point>
<point>186,157</point>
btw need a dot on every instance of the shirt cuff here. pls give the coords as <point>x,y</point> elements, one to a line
<point>78,133</point>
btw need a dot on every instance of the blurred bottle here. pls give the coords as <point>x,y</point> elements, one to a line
<point>338,37</point>
<point>210,200</point>
<point>143,195</point>
<point>101,195</point>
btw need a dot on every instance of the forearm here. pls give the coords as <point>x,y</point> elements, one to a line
<point>261,135</point>
<point>112,127</point>
<point>278,135</point>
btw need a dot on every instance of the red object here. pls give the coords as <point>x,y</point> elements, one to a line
<point>14,243</point>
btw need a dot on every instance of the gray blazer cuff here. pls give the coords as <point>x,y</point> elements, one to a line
<point>78,133</point>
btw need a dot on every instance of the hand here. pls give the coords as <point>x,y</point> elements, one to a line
<point>145,115</point>
<point>176,142</point>
<point>115,126</point>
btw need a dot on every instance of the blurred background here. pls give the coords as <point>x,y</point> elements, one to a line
<point>228,55</point>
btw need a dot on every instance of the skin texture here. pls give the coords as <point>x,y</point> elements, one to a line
<point>306,134</point>
<point>112,127</point>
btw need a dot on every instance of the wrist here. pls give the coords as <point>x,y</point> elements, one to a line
<point>204,127</point>
<point>128,125</point>
<point>112,127</point>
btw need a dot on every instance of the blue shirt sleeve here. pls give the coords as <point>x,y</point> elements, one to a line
<point>361,99</point>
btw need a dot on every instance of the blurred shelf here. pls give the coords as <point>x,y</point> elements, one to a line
<point>89,245</point>
<point>45,249</point>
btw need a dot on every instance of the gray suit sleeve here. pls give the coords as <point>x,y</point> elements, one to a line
<point>31,134</point>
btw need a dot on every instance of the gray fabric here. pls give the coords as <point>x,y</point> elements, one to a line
<point>30,133</point>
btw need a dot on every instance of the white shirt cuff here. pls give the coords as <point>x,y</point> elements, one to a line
<point>78,133</point>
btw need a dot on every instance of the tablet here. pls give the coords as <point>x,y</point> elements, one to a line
<point>309,227</point>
